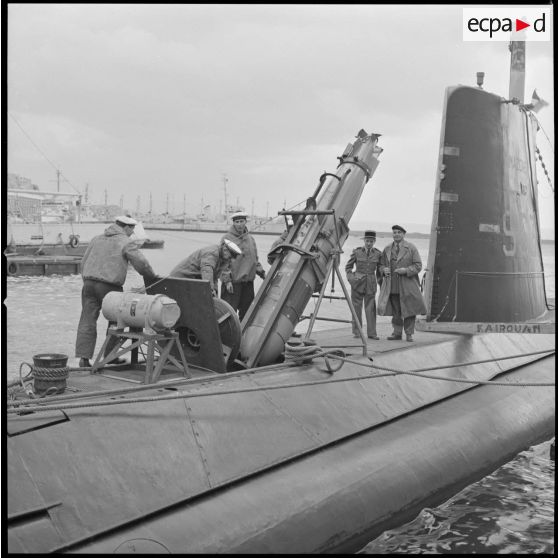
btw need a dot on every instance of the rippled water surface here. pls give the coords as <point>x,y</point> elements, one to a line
<point>510,511</point>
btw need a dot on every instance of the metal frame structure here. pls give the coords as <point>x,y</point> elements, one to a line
<point>153,367</point>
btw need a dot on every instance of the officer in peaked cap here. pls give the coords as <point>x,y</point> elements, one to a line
<point>364,282</point>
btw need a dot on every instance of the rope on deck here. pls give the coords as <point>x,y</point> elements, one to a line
<point>387,372</point>
<point>302,352</point>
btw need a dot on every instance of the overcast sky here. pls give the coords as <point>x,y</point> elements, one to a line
<point>165,99</point>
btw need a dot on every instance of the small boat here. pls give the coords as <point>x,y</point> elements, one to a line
<point>226,437</point>
<point>153,243</point>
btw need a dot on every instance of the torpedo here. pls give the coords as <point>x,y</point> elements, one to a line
<point>300,269</point>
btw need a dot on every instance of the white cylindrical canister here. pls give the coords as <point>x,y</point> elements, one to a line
<point>140,310</point>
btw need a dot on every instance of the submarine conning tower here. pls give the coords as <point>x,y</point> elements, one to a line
<point>302,260</point>
<point>485,261</point>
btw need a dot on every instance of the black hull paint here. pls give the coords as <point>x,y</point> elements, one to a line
<point>485,263</point>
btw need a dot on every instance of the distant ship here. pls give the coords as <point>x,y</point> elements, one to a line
<point>47,233</point>
<point>209,220</point>
<point>257,226</point>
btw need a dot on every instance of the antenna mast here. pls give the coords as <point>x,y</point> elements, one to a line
<point>225,180</point>
<point>517,71</point>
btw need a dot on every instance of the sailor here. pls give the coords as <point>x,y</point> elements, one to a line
<point>400,294</point>
<point>103,268</point>
<point>211,263</point>
<point>240,292</point>
<point>364,281</point>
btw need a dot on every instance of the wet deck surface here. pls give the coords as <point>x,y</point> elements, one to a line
<point>342,337</point>
<point>324,334</point>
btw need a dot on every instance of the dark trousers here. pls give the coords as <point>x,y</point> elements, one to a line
<point>369,301</point>
<point>92,295</point>
<point>397,321</point>
<point>241,297</point>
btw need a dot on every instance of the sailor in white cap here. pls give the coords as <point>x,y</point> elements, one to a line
<point>234,249</point>
<point>239,216</point>
<point>125,221</point>
<point>211,263</point>
<point>239,293</point>
<point>103,268</point>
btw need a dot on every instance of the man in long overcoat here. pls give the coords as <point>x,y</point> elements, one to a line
<point>400,294</point>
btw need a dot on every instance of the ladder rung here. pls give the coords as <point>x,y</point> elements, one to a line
<point>327,319</point>
<point>330,297</point>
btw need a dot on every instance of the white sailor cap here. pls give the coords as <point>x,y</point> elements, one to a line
<point>233,248</point>
<point>125,220</point>
<point>239,215</point>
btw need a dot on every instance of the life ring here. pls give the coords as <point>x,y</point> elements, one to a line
<point>74,240</point>
<point>12,268</point>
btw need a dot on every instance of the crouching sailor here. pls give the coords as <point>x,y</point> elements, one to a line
<point>103,268</point>
<point>210,263</point>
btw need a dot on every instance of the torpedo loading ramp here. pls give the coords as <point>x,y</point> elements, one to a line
<point>302,263</point>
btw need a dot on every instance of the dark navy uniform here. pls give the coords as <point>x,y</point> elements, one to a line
<point>364,282</point>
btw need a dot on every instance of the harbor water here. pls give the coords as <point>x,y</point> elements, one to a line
<point>509,511</point>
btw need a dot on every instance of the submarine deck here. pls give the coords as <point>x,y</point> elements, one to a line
<point>338,337</point>
<point>325,336</point>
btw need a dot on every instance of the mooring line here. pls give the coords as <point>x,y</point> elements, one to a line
<point>389,372</point>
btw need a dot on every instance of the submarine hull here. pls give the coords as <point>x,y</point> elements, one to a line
<point>339,499</point>
<point>260,463</point>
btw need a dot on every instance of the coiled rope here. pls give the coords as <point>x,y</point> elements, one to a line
<point>317,352</point>
<point>302,352</point>
<point>50,373</point>
<point>42,375</point>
